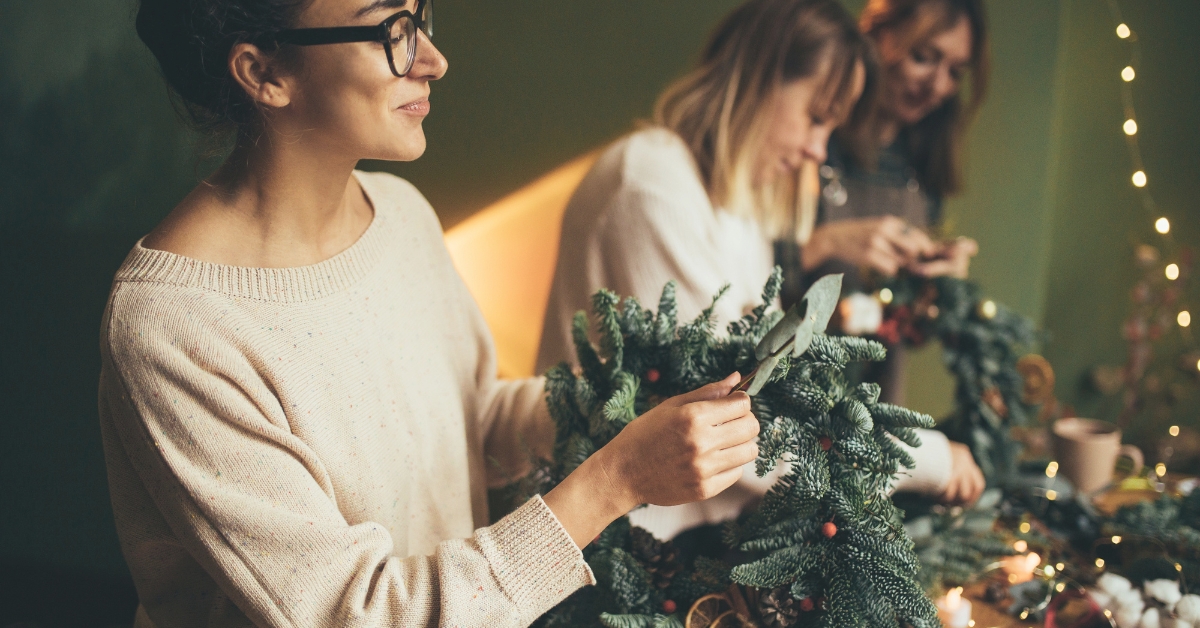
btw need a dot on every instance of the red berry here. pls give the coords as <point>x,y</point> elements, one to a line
<point>826,443</point>
<point>829,529</point>
<point>669,606</point>
<point>806,604</point>
<point>652,376</point>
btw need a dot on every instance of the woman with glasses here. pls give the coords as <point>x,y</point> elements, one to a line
<point>298,396</point>
<point>698,197</point>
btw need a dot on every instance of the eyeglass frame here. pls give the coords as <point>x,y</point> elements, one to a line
<point>380,33</point>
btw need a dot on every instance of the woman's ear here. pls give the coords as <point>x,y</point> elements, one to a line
<point>255,72</point>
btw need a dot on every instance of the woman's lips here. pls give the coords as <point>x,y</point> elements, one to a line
<point>417,107</point>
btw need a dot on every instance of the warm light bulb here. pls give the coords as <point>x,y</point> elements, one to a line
<point>1160,469</point>
<point>1049,571</point>
<point>1130,127</point>
<point>1052,469</point>
<point>1174,431</point>
<point>1051,495</point>
<point>1060,586</point>
<point>1123,31</point>
<point>1162,225</point>
<point>1024,527</point>
<point>1116,540</point>
<point>1139,179</point>
<point>886,296</point>
<point>1060,566</point>
<point>1100,563</point>
<point>1128,74</point>
<point>1172,271</point>
<point>1020,546</point>
<point>1184,319</point>
<point>1198,365</point>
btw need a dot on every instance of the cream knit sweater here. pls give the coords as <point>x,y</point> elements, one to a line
<point>642,217</point>
<point>311,446</point>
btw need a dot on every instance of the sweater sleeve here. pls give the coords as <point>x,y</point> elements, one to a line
<point>932,473</point>
<point>516,425</point>
<point>254,507</point>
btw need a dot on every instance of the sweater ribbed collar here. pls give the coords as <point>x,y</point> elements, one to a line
<point>294,284</point>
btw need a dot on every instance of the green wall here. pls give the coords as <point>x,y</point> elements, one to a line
<point>91,155</point>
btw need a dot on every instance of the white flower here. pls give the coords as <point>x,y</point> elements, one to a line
<point>1131,601</point>
<point>1113,584</point>
<point>1165,591</point>
<point>1150,618</point>
<point>1188,608</point>
<point>1102,599</point>
<point>1129,618</point>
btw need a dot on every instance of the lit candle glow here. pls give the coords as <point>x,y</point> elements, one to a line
<point>1123,31</point>
<point>1128,74</point>
<point>953,610</point>
<point>1130,127</point>
<point>1172,271</point>
<point>1139,179</point>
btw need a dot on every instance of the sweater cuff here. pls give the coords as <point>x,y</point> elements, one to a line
<point>932,473</point>
<point>534,559</point>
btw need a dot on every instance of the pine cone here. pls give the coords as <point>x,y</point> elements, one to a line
<point>660,558</point>
<point>778,609</point>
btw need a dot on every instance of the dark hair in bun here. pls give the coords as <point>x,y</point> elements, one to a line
<point>191,40</point>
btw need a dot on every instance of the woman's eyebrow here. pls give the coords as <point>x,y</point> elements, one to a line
<point>381,4</point>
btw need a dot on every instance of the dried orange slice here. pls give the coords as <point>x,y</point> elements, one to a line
<point>706,610</point>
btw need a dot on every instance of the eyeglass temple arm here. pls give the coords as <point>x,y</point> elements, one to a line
<point>332,35</point>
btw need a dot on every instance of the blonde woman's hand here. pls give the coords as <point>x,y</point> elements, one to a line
<point>688,448</point>
<point>953,259</point>
<point>884,244</point>
<point>966,478</point>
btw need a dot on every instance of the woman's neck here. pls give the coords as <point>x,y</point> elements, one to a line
<point>272,204</point>
<point>888,130</point>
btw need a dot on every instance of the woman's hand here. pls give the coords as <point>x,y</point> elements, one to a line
<point>686,449</point>
<point>885,244</point>
<point>953,259</point>
<point>966,479</point>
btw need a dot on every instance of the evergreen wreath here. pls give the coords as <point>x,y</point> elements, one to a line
<point>826,545</point>
<point>981,342</point>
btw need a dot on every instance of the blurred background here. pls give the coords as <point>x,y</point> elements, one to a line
<point>92,156</point>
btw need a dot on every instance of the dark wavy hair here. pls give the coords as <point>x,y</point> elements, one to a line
<point>191,39</point>
<point>935,142</point>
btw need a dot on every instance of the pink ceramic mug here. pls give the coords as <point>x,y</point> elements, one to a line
<point>1087,451</point>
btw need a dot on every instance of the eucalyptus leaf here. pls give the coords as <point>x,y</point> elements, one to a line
<point>822,299</point>
<point>765,369</point>
<point>804,337</point>
<point>781,333</point>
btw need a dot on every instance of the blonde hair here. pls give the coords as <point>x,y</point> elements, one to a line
<point>722,107</point>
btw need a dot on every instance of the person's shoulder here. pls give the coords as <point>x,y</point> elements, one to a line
<point>395,198</point>
<point>657,157</point>
<point>147,319</point>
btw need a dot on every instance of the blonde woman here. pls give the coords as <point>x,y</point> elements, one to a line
<point>698,197</point>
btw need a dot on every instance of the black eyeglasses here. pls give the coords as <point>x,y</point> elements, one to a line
<point>397,33</point>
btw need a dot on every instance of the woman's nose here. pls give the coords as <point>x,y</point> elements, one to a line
<point>816,147</point>
<point>430,64</point>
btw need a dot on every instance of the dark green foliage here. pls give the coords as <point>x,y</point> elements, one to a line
<point>866,572</point>
<point>1168,526</point>
<point>981,352</point>
<point>955,545</point>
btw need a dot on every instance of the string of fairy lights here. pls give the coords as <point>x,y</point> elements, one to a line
<point>1162,223</point>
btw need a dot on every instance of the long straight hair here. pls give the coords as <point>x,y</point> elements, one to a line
<point>935,143</point>
<point>722,107</point>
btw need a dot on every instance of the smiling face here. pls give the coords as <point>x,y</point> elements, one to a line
<point>799,124</point>
<point>921,76</point>
<point>344,99</point>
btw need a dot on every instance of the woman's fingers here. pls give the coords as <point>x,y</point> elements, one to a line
<point>708,392</point>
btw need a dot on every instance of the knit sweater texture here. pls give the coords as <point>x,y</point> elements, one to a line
<point>642,217</point>
<point>311,446</point>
